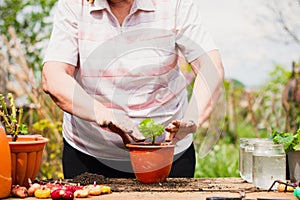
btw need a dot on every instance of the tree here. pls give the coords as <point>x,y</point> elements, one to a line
<point>287,14</point>
<point>32,23</point>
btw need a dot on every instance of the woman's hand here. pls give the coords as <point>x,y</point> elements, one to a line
<point>123,126</point>
<point>178,129</point>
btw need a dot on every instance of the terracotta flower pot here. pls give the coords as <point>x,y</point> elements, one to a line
<point>26,157</point>
<point>5,166</point>
<point>151,163</point>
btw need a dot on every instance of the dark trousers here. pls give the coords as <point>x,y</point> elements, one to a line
<point>75,163</point>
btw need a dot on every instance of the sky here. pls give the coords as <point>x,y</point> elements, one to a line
<point>249,37</point>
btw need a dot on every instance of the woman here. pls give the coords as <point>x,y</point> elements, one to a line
<point>117,61</point>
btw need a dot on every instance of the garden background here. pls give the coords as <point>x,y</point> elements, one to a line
<point>251,111</point>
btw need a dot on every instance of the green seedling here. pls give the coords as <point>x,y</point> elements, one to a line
<point>151,130</point>
<point>11,117</point>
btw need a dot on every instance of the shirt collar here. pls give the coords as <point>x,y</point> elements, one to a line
<point>146,5</point>
<point>99,5</point>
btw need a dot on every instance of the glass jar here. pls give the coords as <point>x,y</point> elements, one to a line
<point>269,164</point>
<point>243,142</point>
<point>245,156</point>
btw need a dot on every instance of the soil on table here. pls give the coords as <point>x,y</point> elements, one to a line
<point>172,184</point>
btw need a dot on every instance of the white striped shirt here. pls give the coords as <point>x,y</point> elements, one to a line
<point>130,68</point>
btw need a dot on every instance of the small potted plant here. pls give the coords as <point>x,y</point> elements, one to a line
<point>151,161</point>
<point>291,143</point>
<point>26,150</point>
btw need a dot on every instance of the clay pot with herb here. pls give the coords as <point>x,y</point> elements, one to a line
<point>151,161</point>
<point>26,150</point>
<point>291,144</point>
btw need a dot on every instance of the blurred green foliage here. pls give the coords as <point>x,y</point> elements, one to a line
<point>267,114</point>
<point>32,23</point>
<point>222,161</point>
<point>271,110</point>
<point>51,166</point>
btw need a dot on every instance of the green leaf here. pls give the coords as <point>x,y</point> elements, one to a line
<point>147,123</point>
<point>297,147</point>
<point>23,129</point>
<point>150,130</point>
<point>287,140</point>
<point>298,136</point>
<point>12,119</point>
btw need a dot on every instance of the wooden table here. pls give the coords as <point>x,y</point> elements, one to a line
<point>190,189</point>
<point>187,189</point>
<point>190,195</point>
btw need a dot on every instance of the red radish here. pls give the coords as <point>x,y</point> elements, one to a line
<point>73,188</point>
<point>61,194</point>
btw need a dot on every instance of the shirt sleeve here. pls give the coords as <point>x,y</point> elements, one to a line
<point>63,44</point>
<point>192,38</point>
